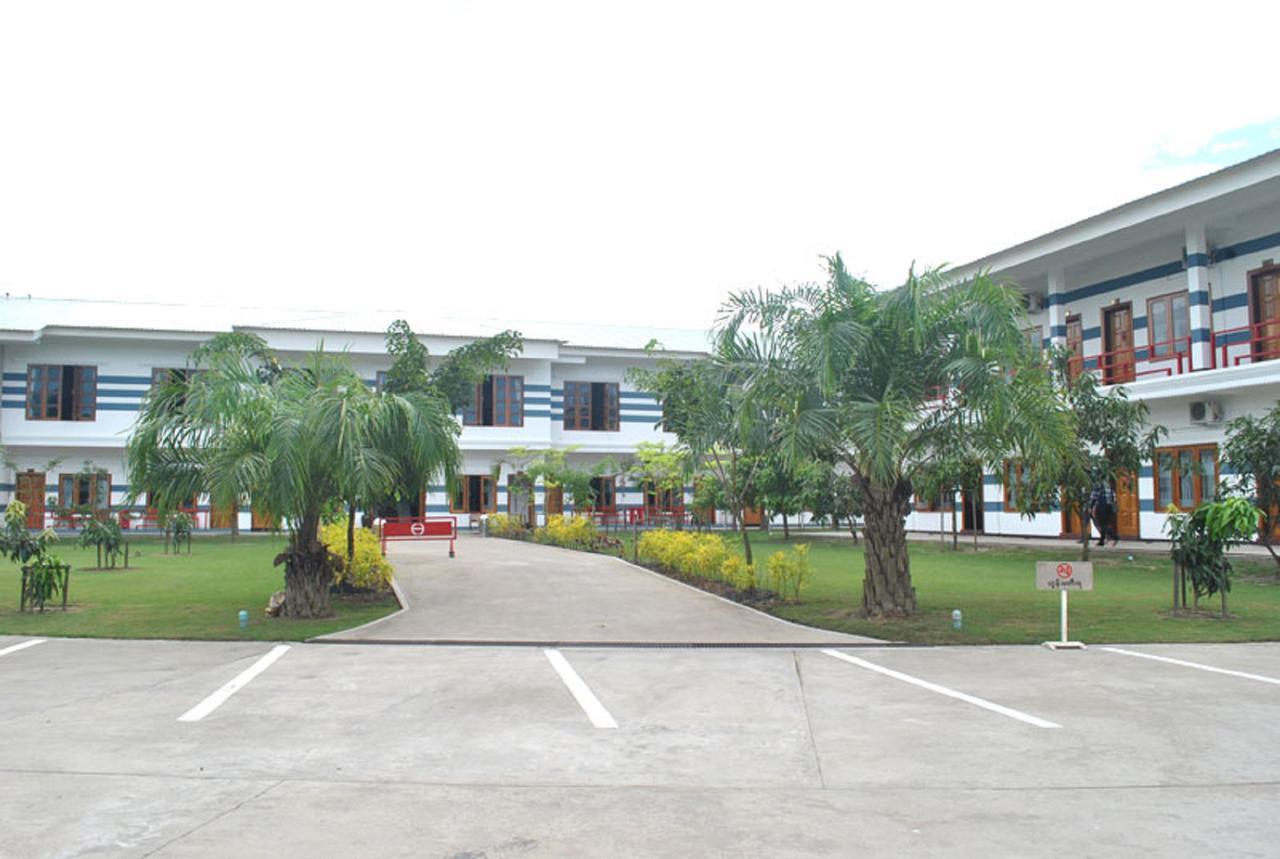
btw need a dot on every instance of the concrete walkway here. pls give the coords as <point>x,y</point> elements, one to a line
<point>509,592</point>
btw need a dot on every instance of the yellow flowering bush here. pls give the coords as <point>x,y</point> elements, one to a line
<point>367,570</point>
<point>502,525</point>
<point>788,573</point>
<point>705,556</point>
<point>738,573</point>
<point>571,532</point>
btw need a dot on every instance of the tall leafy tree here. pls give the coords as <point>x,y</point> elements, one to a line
<point>319,438</point>
<point>1252,451</point>
<point>706,406</point>
<point>1112,438</point>
<point>883,378</point>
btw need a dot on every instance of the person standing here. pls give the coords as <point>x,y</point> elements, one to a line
<point>1102,510</point>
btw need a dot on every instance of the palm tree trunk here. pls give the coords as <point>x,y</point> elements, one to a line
<point>351,531</point>
<point>308,572</point>
<point>886,584</point>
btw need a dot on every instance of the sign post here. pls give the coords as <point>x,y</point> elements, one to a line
<point>1064,576</point>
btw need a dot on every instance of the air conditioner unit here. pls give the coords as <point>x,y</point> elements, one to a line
<point>1206,412</point>
<point>1033,301</point>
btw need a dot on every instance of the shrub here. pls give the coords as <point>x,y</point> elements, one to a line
<point>367,569</point>
<point>704,556</point>
<point>570,532</point>
<point>502,525</point>
<point>788,573</point>
<point>106,536</point>
<point>738,573</point>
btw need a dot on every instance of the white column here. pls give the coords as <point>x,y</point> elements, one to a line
<point>1057,309</point>
<point>1198,297</point>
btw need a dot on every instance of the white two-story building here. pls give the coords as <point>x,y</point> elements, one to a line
<point>75,373</point>
<point>1176,296</point>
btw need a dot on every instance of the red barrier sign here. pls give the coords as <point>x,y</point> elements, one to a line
<point>420,528</point>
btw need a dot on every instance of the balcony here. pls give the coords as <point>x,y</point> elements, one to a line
<point>1229,347</point>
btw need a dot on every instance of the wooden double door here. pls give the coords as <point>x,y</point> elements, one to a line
<point>29,489</point>
<point>1264,288</point>
<point>1128,509</point>
<point>1118,358</point>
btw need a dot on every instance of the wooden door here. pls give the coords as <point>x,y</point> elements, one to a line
<point>219,518</point>
<point>1127,520</point>
<point>1117,334</point>
<point>30,491</point>
<point>260,520</point>
<point>1071,524</point>
<point>972,512</point>
<point>753,517</point>
<point>1266,314</point>
<point>554,503</point>
<point>1075,346</point>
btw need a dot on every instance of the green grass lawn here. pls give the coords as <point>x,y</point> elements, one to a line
<point>177,596</point>
<point>995,590</point>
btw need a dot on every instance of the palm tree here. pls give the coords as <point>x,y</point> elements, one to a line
<point>305,439</point>
<point>881,380</point>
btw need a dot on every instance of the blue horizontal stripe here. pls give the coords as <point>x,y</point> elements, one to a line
<point>1199,297</point>
<point>437,508</point>
<point>1259,244</point>
<point>537,401</point>
<point>1146,471</point>
<point>117,407</point>
<point>991,480</point>
<point>21,392</point>
<point>993,506</point>
<point>649,419</point>
<point>126,380</point>
<point>1230,302</point>
<point>1121,282</point>
<point>1057,331</point>
<point>15,377</point>
<point>1197,260</point>
<point>119,487</point>
<point>1139,322</point>
<point>8,487</point>
<point>108,392</point>
<point>1203,335</point>
<point>642,407</point>
<point>12,404</point>
<point>637,395</point>
<point>1092,333</point>
<point>537,413</point>
<point>540,388</point>
<point>1146,505</point>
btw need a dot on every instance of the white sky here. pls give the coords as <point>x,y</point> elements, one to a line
<point>594,161</point>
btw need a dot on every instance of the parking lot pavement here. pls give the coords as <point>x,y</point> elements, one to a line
<point>382,750</point>
<point>504,591</point>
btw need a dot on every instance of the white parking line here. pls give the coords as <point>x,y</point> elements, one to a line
<point>943,690</point>
<point>14,648</point>
<point>1186,664</point>
<point>216,700</point>
<point>595,711</point>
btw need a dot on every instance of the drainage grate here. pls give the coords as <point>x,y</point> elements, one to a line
<point>622,645</point>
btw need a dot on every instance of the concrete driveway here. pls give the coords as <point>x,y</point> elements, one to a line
<point>138,749</point>
<point>502,591</point>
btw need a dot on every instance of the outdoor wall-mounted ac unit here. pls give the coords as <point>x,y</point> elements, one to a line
<point>1033,301</point>
<point>1206,412</point>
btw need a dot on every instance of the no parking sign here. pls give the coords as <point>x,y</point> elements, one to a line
<point>1064,576</point>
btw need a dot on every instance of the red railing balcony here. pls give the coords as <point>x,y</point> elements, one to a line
<point>1163,358</point>
<point>1246,344</point>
